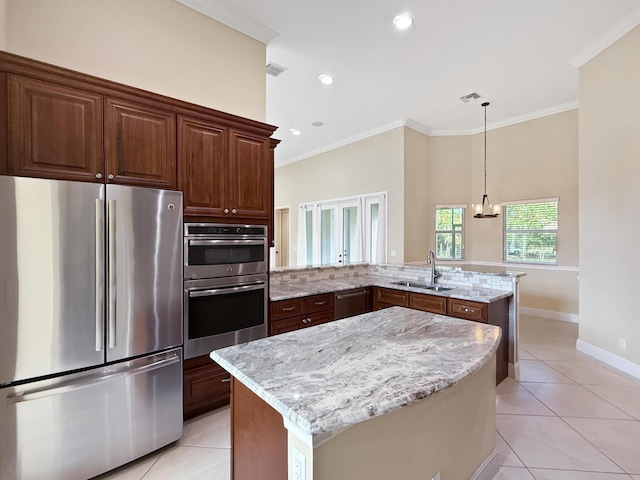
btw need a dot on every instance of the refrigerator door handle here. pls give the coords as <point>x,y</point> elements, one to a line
<point>99,281</point>
<point>111,213</point>
<point>226,290</point>
<point>89,381</point>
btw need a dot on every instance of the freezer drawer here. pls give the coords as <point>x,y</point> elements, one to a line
<point>78,426</point>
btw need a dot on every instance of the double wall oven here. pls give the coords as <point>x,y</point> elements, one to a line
<point>226,285</point>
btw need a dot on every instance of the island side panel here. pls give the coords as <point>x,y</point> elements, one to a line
<point>258,437</point>
<point>451,432</point>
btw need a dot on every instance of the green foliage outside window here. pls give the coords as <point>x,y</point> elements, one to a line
<point>531,232</point>
<point>450,233</point>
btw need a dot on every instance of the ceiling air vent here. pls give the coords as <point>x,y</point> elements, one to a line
<point>275,69</point>
<point>471,96</point>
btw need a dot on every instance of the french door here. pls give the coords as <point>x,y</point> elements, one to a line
<point>339,236</point>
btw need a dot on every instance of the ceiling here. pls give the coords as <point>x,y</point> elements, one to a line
<point>522,56</point>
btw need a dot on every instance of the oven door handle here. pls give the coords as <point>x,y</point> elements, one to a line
<point>206,243</point>
<point>226,290</point>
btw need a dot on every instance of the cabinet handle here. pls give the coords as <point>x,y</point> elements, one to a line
<point>234,211</point>
<point>321,303</point>
<point>111,176</point>
<point>225,380</point>
<point>98,175</point>
<point>288,309</point>
<point>226,210</point>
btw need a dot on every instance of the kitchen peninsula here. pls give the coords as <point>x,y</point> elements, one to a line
<point>478,295</point>
<point>396,393</point>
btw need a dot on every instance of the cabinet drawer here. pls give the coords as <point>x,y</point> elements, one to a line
<point>318,302</point>
<point>467,309</point>
<point>391,297</point>
<point>287,308</point>
<point>428,303</point>
<point>300,321</point>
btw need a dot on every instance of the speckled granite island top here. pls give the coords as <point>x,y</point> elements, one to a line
<point>331,376</point>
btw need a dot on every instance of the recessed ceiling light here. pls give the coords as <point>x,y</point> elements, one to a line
<point>326,79</point>
<point>402,22</point>
<point>317,124</point>
<point>295,132</point>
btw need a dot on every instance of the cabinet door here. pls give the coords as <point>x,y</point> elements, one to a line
<point>206,386</point>
<point>202,167</point>
<point>140,144</point>
<point>428,303</point>
<point>250,176</point>
<point>54,131</point>
<point>389,297</point>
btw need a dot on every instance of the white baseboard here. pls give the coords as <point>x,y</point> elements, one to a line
<point>538,312</point>
<point>609,358</point>
<point>488,469</point>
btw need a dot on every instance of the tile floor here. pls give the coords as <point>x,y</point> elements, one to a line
<point>569,417</point>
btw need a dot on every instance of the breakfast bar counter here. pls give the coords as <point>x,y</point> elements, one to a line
<point>327,400</point>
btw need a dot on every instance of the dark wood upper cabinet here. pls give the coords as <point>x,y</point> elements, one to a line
<point>250,179</point>
<point>224,174</point>
<point>57,123</point>
<point>202,166</point>
<point>54,131</point>
<point>140,145</point>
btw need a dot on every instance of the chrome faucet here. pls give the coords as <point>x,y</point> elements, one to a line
<point>435,274</point>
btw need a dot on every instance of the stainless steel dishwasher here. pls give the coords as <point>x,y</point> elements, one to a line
<point>348,303</point>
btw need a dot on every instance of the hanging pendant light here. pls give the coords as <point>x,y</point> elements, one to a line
<point>485,209</point>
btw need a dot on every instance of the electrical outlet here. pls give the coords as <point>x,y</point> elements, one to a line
<point>393,253</point>
<point>622,343</point>
<point>299,465</point>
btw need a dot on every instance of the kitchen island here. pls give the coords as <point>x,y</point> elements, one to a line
<point>396,393</point>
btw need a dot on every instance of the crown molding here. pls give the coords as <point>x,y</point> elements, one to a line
<point>545,112</point>
<point>231,19</point>
<point>630,22</point>
<point>346,141</point>
<point>409,123</point>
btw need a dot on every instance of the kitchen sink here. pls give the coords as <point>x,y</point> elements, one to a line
<point>426,286</point>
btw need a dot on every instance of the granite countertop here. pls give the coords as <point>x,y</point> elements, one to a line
<point>331,376</point>
<point>287,291</point>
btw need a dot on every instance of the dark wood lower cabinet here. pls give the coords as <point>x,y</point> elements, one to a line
<point>206,386</point>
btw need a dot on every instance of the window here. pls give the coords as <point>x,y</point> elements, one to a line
<point>531,231</point>
<point>342,231</point>
<point>449,232</point>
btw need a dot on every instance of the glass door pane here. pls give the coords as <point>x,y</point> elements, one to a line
<point>309,236</point>
<point>328,236</point>
<point>373,232</point>
<point>349,234</point>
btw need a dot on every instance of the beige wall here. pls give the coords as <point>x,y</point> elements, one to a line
<point>450,166</point>
<point>157,45</point>
<point>609,190</point>
<point>371,165</point>
<point>526,161</point>
<point>417,196</point>
<point>530,160</point>
<point>3,24</point>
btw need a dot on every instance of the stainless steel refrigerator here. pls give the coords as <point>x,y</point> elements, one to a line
<point>90,326</point>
